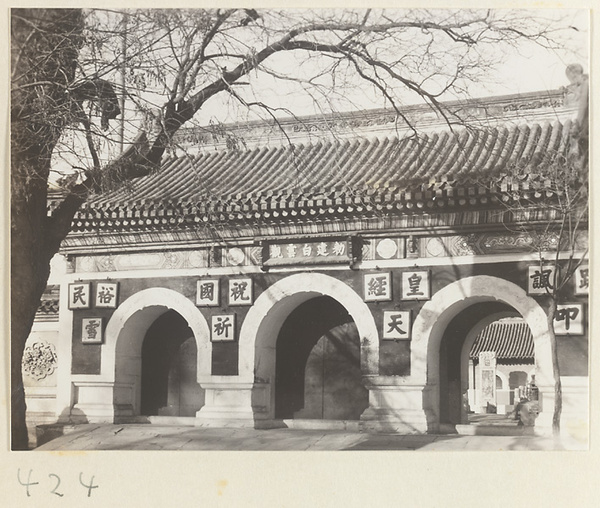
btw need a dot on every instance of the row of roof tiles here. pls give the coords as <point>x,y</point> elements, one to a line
<point>188,215</point>
<point>337,166</point>
<point>428,172</point>
<point>510,340</point>
<point>451,192</point>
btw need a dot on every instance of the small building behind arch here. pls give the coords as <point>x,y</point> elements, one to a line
<point>511,342</point>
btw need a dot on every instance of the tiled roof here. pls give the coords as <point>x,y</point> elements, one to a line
<point>510,340</point>
<point>390,174</point>
<point>349,165</point>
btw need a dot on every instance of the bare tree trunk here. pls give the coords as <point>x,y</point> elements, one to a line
<point>30,268</point>
<point>551,313</point>
<point>44,50</point>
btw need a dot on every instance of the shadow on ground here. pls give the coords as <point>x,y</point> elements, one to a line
<point>154,437</point>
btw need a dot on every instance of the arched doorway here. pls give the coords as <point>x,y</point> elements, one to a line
<point>318,373</point>
<point>169,369</point>
<point>260,332</point>
<point>466,385</point>
<point>433,320</point>
<point>121,364</point>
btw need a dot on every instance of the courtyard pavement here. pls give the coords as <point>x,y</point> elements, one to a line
<point>172,437</point>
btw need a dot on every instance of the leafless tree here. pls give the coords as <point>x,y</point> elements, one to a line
<point>75,73</point>
<point>549,204</point>
<point>546,201</point>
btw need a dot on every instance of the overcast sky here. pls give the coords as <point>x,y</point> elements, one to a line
<point>527,68</point>
<point>537,69</point>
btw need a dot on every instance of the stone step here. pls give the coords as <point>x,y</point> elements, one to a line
<point>158,420</point>
<point>172,420</point>
<point>48,432</point>
<point>305,424</point>
<point>486,429</point>
<point>494,430</point>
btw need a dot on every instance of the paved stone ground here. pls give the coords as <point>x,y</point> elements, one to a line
<point>160,437</point>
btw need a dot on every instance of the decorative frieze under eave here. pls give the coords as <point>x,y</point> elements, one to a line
<point>323,251</point>
<point>193,234</point>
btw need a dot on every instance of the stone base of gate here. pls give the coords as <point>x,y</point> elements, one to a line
<point>232,403</point>
<point>543,423</point>
<point>395,406</point>
<point>93,403</point>
<point>574,420</point>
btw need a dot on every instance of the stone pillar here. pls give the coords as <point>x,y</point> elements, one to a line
<point>574,416</point>
<point>64,386</point>
<point>472,387</point>
<point>395,405</point>
<point>94,402</point>
<point>543,423</point>
<point>487,379</point>
<point>233,401</point>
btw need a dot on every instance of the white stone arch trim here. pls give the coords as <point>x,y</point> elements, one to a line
<point>435,315</point>
<point>147,305</point>
<point>265,318</point>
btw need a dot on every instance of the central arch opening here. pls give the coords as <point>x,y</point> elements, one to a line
<point>318,369</point>
<point>169,384</point>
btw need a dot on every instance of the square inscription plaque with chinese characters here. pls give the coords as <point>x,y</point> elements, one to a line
<point>569,319</point>
<point>377,287</point>
<point>107,294</point>
<point>240,291</point>
<point>415,285</point>
<point>91,330</point>
<point>222,328</point>
<point>79,295</point>
<point>207,293</point>
<point>540,280</point>
<point>397,324</point>
<point>582,280</point>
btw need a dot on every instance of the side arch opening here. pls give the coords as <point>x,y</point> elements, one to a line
<point>431,339</point>
<point>170,321</point>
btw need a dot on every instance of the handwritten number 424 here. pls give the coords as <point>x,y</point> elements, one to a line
<point>56,481</point>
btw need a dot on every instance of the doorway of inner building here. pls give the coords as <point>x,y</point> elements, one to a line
<point>317,369</point>
<point>169,384</point>
<point>486,366</point>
